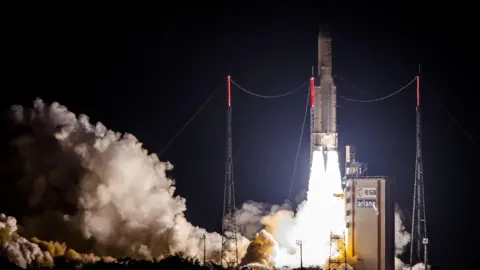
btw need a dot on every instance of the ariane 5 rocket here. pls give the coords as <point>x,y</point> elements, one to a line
<point>323,97</point>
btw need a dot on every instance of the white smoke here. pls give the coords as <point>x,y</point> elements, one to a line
<point>399,265</point>
<point>254,216</point>
<point>321,214</point>
<point>100,190</point>
<point>282,224</point>
<point>249,217</point>
<point>402,239</point>
<point>18,249</point>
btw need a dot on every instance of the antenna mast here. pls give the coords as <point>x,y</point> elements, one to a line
<point>229,253</point>
<point>419,220</point>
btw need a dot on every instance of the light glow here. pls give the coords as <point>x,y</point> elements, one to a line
<point>320,215</point>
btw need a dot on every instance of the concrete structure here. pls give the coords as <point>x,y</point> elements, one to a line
<point>370,222</point>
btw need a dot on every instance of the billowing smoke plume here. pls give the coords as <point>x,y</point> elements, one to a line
<point>254,216</point>
<point>279,223</point>
<point>317,218</point>
<point>18,249</point>
<point>96,189</point>
<point>402,239</point>
<point>249,217</point>
<point>37,253</point>
<point>261,250</point>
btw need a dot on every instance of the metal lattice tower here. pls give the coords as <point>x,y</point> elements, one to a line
<point>337,246</point>
<point>229,253</point>
<point>419,220</point>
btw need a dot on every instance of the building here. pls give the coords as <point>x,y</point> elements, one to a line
<point>370,222</point>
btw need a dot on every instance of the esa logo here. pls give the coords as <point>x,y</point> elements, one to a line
<point>367,193</point>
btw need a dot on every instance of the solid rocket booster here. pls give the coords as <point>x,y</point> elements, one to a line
<point>324,130</point>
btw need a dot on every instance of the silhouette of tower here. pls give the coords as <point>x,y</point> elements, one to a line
<point>229,253</point>
<point>419,220</point>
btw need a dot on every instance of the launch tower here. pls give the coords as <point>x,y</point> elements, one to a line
<point>229,253</point>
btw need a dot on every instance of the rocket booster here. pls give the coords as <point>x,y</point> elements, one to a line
<point>324,99</point>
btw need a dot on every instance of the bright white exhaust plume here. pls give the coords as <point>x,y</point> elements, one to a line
<point>317,217</point>
<point>97,189</point>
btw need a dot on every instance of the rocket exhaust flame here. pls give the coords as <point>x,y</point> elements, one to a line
<point>319,216</point>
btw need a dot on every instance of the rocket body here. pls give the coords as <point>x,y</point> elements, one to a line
<point>324,126</point>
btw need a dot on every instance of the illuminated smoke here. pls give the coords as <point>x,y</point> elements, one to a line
<point>96,189</point>
<point>254,216</point>
<point>399,265</point>
<point>261,250</point>
<point>18,249</point>
<point>317,217</point>
<point>402,239</point>
<point>314,222</point>
<point>100,191</point>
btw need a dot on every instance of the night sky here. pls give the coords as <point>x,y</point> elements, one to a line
<point>146,70</point>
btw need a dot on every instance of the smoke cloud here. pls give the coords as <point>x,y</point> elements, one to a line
<point>100,191</point>
<point>254,216</point>
<point>261,250</point>
<point>96,189</point>
<point>402,239</point>
<point>277,224</point>
<point>18,249</point>
<point>273,224</point>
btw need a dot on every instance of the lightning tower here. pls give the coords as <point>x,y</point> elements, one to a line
<point>419,220</point>
<point>229,253</point>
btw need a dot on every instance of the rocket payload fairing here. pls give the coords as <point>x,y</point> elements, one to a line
<point>324,99</point>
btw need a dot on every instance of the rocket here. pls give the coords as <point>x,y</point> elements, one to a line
<point>323,97</point>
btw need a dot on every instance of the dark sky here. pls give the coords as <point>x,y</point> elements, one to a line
<point>146,70</point>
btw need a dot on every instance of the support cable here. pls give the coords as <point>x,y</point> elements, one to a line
<point>189,120</point>
<point>298,147</point>
<point>382,98</point>
<point>459,125</point>
<point>269,97</point>
<point>450,115</point>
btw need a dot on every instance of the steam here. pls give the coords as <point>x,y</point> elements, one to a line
<point>97,189</point>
